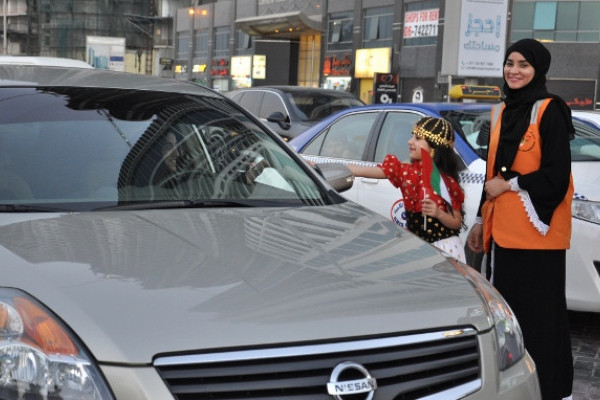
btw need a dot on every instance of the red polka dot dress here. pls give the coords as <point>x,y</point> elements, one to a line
<point>407,178</point>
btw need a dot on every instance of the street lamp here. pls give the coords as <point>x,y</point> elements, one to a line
<point>4,46</point>
<point>193,12</point>
<point>190,66</point>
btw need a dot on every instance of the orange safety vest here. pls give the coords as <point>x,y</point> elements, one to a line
<point>506,217</point>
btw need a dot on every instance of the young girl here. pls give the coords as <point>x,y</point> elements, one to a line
<point>428,214</point>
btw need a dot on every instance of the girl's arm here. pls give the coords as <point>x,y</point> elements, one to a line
<point>452,220</point>
<point>366,171</point>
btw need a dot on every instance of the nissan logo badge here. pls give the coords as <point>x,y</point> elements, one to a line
<point>344,382</point>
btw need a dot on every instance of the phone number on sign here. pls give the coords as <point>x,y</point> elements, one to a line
<point>421,30</point>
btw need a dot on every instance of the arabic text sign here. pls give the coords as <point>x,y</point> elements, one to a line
<point>421,23</point>
<point>578,93</point>
<point>482,38</point>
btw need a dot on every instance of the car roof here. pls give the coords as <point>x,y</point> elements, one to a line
<point>590,116</point>
<point>431,106</point>
<point>299,89</point>
<point>52,76</point>
<point>48,61</point>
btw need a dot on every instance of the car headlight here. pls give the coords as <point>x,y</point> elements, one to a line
<point>509,338</point>
<point>586,210</point>
<point>39,356</point>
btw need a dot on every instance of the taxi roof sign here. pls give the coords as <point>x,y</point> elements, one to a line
<point>475,92</point>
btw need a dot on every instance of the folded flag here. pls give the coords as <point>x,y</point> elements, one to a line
<point>432,179</point>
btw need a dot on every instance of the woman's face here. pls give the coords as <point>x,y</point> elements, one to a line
<point>415,144</point>
<point>518,72</point>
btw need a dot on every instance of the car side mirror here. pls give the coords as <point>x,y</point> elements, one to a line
<point>338,176</point>
<point>279,119</point>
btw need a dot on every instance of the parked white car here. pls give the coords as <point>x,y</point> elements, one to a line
<point>583,259</point>
<point>367,134</point>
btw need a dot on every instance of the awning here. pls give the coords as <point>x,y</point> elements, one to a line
<point>284,25</point>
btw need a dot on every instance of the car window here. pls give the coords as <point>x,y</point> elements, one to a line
<point>251,101</point>
<point>316,106</point>
<point>346,137</point>
<point>102,147</point>
<point>586,144</point>
<point>271,103</point>
<point>394,135</point>
<point>473,126</point>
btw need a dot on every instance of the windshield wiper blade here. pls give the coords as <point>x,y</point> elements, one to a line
<point>149,205</point>
<point>29,208</point>
<point>219,203</point>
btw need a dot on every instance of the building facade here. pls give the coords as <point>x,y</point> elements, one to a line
<point>141,29</point>
<point>426,43</point>
<point>427,46</point>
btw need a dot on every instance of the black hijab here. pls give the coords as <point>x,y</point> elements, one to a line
<point>519,102</point>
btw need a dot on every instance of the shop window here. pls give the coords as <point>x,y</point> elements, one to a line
<point>378,27</point>
<point>340,28</point>
<point>243,41</point>
<point>545,16</point>
<point>183,45</point>
<point>201,44</point>
<point>221,41</point>
<point>561,21</point>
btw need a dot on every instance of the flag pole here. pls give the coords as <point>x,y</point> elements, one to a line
<point>424,216</point>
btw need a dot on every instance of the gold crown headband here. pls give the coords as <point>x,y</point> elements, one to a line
<point>443,138</point>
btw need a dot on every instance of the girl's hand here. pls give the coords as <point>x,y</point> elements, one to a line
<point>429,207</point>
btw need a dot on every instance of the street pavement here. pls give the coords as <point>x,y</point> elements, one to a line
<point>585,341</point>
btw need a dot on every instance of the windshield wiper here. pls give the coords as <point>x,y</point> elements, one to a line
<point>149,205</point>
<point>29,208</point>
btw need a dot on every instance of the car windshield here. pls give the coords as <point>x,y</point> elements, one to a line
<point>314,106</point>
<point>85,149</point>
<point>474,127</point>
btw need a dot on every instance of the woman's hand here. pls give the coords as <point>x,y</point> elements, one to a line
<point>475,238</point>
<point>495,187</point>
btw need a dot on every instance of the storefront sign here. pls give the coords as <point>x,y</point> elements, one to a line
<point>337,66</point>
<point>385,88</point>
<point>482,37</point>
<point>421,23</point>
<point>241,66</point>
<point>259,66</point>
<point>219,67</point>
<point>370,61</point>
<point>579,94</point>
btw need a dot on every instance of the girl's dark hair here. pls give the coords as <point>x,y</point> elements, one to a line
<point>446,161</point>
<point>439,134</point>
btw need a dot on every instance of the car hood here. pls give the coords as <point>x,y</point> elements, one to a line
<point>133,284</point>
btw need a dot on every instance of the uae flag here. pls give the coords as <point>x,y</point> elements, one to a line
<point>432,179</point>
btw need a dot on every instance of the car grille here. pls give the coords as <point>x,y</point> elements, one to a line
<point>405,367</point>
